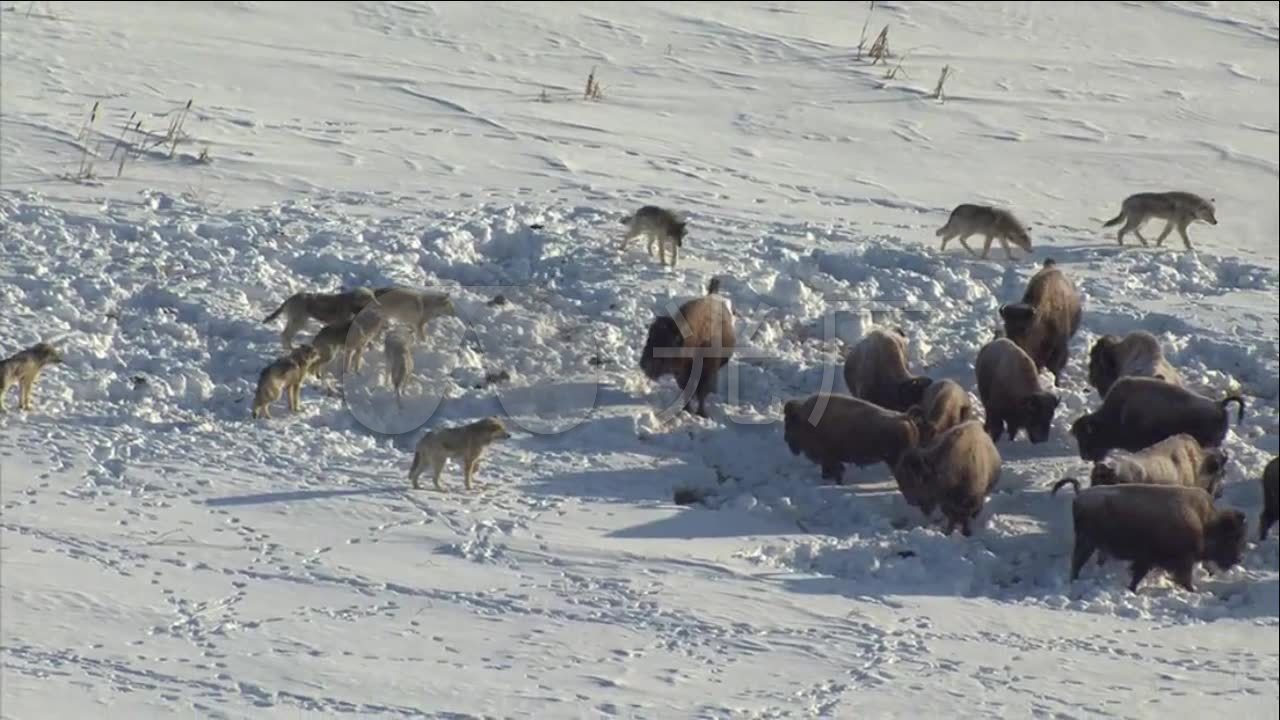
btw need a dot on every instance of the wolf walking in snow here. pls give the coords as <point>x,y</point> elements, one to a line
<point>328,308</point>
<point>660,225</point>
<point>1177,209</point>
<point>23,369</point>
<point>994,223</point>
<point>465,442</point>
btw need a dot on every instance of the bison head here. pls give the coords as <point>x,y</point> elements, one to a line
<point>1037,415</point>
<point>1088,437</point>
<point>911,392</point>
<point>1212,468</point>
<point>912,473</point>
<point>659,354</point>
<point>1102,363</point>
<point>1225,537</point>
<point>1018,318</point>
<point>1103,475</point>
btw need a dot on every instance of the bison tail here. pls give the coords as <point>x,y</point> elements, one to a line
<point>1238,400</point>
<point>1050,262</point>
<point>1065,481</point>
<point>627,220</point>
<point>1114,221</point>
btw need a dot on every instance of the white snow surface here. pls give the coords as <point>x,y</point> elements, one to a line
<point>162,554</point>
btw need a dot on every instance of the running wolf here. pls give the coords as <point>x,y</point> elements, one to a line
<point>1177,209</point>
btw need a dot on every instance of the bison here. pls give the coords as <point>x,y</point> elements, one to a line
<point>1046,319</point>
<point>831,430</point>
<point>955,472</point>
<point>876,371</point>
<point>1137,354</point>
<point>1009,389</point>
<point>692,345</point>
<point>1154,526</point>
<point>1139,412</point>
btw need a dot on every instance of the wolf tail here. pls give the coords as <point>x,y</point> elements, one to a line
<point>275,314</point>
<point>713,287</point>
<point>1114,221</point>
<point>415,468</point>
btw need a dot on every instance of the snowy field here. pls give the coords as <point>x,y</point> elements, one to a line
<point>163,555</point>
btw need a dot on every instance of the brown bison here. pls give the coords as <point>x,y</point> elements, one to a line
<point>876,371</point>
<point>1139,412</point>
<point>1046,319</point>
<point>831,430</point>
<point>1154,526</point>
<point>692,345</point>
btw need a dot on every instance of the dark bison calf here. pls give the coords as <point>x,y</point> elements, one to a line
<point>1046,319</point>
<point>692,345</point>
<point>831,430</point>
<point>876,371</point>
<point>955,472</point>
<point>1009,389</point>
<point>1137,354</point>
<point>1270,498</point>
<point>1139,412</point>
<point>1154,526</point>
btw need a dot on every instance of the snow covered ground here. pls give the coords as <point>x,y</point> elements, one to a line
<point>162,554</point>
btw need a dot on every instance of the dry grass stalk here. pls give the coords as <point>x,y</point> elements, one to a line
<point>862,38</point>
<point>880,48</point>
<point>593,91</point>
<point>942,78</point>
<point>86,131</point>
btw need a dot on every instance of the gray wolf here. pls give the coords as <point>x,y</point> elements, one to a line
<point>465,442</point>
<point>1177,209</point>
<point>994,223</point>
<point>286,374</point>
<point>660,225</point>
<point>399,362</point>
<point>23,369</point>
<point>415,308</point>
<point>328,308</point>
<point>351,337</point>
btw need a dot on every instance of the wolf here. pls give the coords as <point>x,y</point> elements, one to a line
<point>399,359</point>
<point>328,308</point>
<point>284,375</point>
<point>660,225</point>
<point>351,337</point>
<point>23,368</point>
<point>465,442</point>
<point>995,223</point>
<point>415,308</point>
<point>1177,209</point>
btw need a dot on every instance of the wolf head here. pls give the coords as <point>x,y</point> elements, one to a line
<point>1205,212</point>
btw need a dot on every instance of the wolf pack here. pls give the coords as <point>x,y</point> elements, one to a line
<point>1154,491</point>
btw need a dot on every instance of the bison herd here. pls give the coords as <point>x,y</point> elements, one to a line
<point>1152,504</point>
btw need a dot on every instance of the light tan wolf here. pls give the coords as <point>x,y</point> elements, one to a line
<point>994,223</point>
<point>1177,209</point>
<point>23,368</point>
<point>660,225</point>
<point>399,359</point>
<point>328,308</point>
<point>414,308</point>
<point>350,339</point>
<point>465,443</point>
<point>284,375</point>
